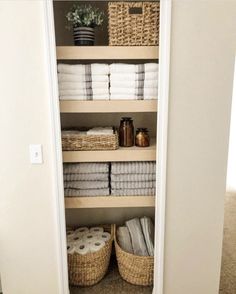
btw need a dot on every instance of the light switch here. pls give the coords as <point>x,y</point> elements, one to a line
<point>36,154</point>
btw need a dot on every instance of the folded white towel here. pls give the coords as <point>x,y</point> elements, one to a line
<point>134,84</point>
<point>135,167</point>
<point>149,76</point>
<point>84,193</point>
<point>85,168</point>
<point>101,97</point>
<point>82,69</point>
<point>124,97</point>
<point>133,177</point>
<point>133,68</point>
<point>86,92</point>
<point>83,185</point>
<point>100,131</point>
<point>82,78</point>
<point>133,185</point>
<point>133,192</point>
<point>124,240</point>
<point>148,232</point>
<point>135,91</point>
<point>82,85</point>
<point>86,177</point>
<point>85,97</point>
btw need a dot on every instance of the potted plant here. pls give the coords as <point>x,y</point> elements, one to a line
<point>83,19</point>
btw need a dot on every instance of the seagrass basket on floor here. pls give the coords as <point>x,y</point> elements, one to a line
<point>73,140</point>
<point>133,23</point>
<point>137,270</point>
<point>89,269</point>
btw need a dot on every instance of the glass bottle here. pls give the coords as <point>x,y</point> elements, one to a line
<point>142,138</point>
<point>126,132</point>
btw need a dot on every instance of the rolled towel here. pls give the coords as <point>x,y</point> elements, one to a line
<point>124,240</point>
<point>85,168</point>
<point>133,177</point>
<point>135,167</point>
<point>148,232</point>
<point>83,185</point>
<point>133,83</point>
<point>100,131</point>
<point>86,177</point>
<point>137,238</point>
<point>133,185</point>
<point>83,69</point>
<point>82,78</point>
<point>82,85</point>
<point>133,192</point>
<point>85,193</point>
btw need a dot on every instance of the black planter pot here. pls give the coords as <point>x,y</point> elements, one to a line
<point>83,36</point>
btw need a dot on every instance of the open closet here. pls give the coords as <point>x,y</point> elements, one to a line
<point>113,185</point>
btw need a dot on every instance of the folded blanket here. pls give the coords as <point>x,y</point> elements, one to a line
<point>133,192</point>
<point>86,177</point>
<point>133,185</point>
<point>133,177</point>
<point>83,185</point>
<point>85,168</point>
<point>148,76</point>
<point>137,238</point>
<point>124,240</point>
<point>148,232</point>
<point>84,69</point>
<point>135,91</point>
<point>86,92</point>
<point>82,78</point>
<point>100,131</point>
<point>82,85</point>
<point>135,167</point>
<point>89,192</point>
<point>133,68</point>
<point>134,83</point>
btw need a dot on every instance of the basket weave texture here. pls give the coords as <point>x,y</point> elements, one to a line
<point>89,269</point>
<point>137,270</point>
<point>73,141</point>
<point>133,23</point>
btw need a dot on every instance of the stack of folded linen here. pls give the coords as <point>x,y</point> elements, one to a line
<point>86,179</point>
<point>133,81</point>
<point>83,81</point>
<point>133,178</point>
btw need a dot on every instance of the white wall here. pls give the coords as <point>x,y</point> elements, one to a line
<point>201,82</point>
<point>28,222</point>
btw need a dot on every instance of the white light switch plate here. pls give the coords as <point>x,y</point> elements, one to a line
<point>36,154</point>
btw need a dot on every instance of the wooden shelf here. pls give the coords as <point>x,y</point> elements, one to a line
<point>107,52</point>
<point>122,154</point>
<point>105,106</point>
<point>109,201</point>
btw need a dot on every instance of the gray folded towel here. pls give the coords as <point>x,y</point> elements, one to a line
<point>133,185</point>
<point>86,177</point>
<point>133,192</point>
<point>124,239</point>
<point>137,238</point>
<point>85,168</point>
<point>85,193</point>
<point>86,185</point>
<point>136,167</point>
<point>148,232</point>
<point>133,177</point>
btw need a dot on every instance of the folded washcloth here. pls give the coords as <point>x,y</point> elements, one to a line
<point>84,193</point>
<point>133,192</point>
<point>135,91</point>
<point>83,85</point>
<point>86,92</point>
<point>85,168</point>
<point>124,240</point>
<point>135,167</point>
<point>82,78</point>
<point>133,185</point>
<point>83,185</point>
<point>148,76</point>
<point>134,83</point>
<point>133,177</point>
<point>137,238</point>
<point>84,69</point>
<point>148,232</point>
<point>101,131</point>
<point>133,68</point>
<point>86,177</point>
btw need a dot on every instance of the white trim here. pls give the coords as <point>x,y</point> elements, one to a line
<point>162,135</point>
<point>57,154</point>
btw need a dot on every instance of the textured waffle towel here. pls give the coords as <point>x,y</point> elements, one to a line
<point>124,239</point>
<point>137,238</point>
<point>86,177</point>
<point>85,168</point>
<point>86,185</point>
<point>133,68</point>
<point>133,185</point>
<point>82,78</point>
<point>148,232</point>
<point>82,69</point>
<point>139,167</point>
<point>91,192</point>
<point>82,85</point>
<point>133,192</point>
<point>133,177</point>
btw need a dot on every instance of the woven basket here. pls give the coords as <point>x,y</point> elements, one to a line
<point>72,141</point>
<point>89,269</point>
<point>133,23</point>
<point>137,270</point>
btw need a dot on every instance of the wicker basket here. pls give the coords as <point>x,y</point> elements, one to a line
<point>133,23</point>
<point>137,270</point>
<point>73,140</point>
<point>89,269</point>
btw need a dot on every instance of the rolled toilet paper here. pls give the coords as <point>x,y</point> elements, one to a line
<point>70,248</point>
<point>96,245</point>
<point>96,230</point>
<point>82,248</point>
<point>105,236</point>
<point>70,232</point>
<point>90,237</point>
<point>82,230</point>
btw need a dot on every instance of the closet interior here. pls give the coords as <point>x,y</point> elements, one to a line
<point>119,169</point>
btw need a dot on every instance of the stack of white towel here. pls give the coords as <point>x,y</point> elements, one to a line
<point>133,81</point>
<point>83,81</point>
<point>86,179</point>
<point>84,240</point>
<point>133,178</point>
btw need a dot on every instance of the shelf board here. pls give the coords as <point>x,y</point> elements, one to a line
<point>107,52</point>
<point>122,154</point>
<point>109,201</point>
<point>106,106</point>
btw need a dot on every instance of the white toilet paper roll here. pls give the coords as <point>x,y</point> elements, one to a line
<point>76,239</point>
<point>82,230</point>
<point>105,236</point>
<point>70,248</point>
<point>90,237</point>
<point>96,230</point>
<point>82,248</point>
<point>96,245</point>
<point>70,232</point>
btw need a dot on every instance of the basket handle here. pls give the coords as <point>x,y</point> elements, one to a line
<point>135,10</point>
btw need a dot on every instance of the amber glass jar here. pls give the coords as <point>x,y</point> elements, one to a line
<point>142,138</point>
<point>126,132</point>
